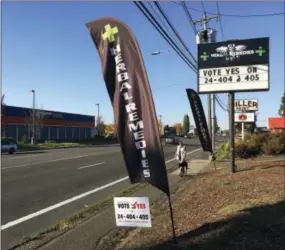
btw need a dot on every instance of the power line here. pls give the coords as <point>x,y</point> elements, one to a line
<point>162,32</point>
<point>204,9</point>
<point>188,14</point>
<point>235,15</point>
<point>174,30</point>
<point>220,104</point>
<point>155,12</point>
<point>220,21</point>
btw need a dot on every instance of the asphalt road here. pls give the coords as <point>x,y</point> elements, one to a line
<point>34,181</point>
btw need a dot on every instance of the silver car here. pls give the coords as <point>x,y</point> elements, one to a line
<point>8,147</point>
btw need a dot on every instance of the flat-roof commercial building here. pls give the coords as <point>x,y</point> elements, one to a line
<point>17,122</point>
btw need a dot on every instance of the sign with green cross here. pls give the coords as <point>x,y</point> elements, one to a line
<point>260,51</point>
<point>110,33</point>
<point>204,56</point>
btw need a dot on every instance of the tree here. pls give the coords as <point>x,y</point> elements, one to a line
<point>160,126</point>
<point>109,128</point>
<point>281,110</point>
<point>186,124</point>
<point>39,116</point>
<point>100,126</point>
<point>178,128</point>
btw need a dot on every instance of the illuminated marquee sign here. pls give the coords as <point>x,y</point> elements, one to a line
<point>238,66</point>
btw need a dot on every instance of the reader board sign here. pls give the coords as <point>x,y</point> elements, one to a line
<point>245,117</point>
<point>234,66</point>
<point>132,211</point>
<point>249,105</point>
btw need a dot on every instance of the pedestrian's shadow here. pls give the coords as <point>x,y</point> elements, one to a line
<point>260,227</point>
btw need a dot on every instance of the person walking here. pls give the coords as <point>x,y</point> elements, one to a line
<point>181,158</point>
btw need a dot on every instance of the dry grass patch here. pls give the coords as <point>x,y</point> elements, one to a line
<point>219,211</point>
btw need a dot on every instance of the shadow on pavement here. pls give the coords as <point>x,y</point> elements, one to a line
<point>260,227</point>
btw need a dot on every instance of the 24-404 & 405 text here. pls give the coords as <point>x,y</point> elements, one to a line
<point>226,79</point>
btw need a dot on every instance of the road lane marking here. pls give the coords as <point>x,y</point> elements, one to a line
<point>75,198</point>
<point>61,159</point>
<point>42,162</point>
<point>88,166</point>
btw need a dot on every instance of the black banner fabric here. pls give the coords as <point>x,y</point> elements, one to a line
<point>200,120</point>
<point>129,90</point>
<point>233,53</point>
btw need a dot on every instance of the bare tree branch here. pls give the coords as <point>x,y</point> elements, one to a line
<point>38,116</point>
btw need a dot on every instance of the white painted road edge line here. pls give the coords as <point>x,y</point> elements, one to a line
<point>77,197</point>
<point>88,166</point>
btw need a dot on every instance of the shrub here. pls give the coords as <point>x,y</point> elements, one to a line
<point>247,149</point>
<point>223,152</point>
<point>275,145</point>
<point>50,141</point>
<point>24,140</point>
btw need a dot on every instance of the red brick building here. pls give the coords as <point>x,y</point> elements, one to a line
<point>276,124</point>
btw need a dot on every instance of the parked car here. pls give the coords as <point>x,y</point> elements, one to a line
<point>8,147</point>
<point>172,140</point>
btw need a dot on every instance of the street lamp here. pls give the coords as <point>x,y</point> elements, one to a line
<point>34,104</point>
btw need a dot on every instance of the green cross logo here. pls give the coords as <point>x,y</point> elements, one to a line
<point>110,33</point>
<point>260,51</point>
<point>204,56</point>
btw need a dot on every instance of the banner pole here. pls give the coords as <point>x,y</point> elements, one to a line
<point>172,220</point>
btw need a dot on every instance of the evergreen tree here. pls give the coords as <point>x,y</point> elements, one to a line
<point>186,124</point>
<point>282,106</point>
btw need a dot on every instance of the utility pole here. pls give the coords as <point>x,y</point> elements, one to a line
<point>34,104</point>
<point>211,97</point>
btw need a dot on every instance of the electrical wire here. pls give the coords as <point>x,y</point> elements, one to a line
<point>162,32</point>
<point>158,16</point>
<point>220,101</point>
<point>204,9</point>
<point>220,21</point>
<point>174,30</point>
<point>164,24</point>
<point>220,104</point>
<point>235,15</point>
<point>188,14</point>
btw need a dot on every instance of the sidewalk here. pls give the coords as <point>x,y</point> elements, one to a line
<point>87,235</point>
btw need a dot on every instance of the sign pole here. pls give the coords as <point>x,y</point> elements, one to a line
<point>242,131</point>
<point>172,220</point>
<point>232,132</point>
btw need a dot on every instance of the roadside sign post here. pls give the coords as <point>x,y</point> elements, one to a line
<point>242,131</point>
<point>230,67</point>
<point>232,132</point>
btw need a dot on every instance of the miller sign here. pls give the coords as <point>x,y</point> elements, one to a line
<point>249,105</point>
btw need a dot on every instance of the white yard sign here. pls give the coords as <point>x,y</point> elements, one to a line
<point>245,117</point>
<point>249,105</point>
<point>237,78</point>
<point>132,211</point>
